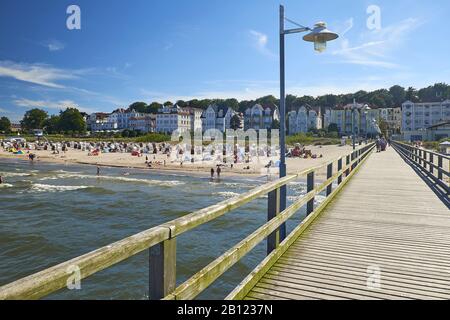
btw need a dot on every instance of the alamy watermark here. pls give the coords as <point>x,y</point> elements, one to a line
<point>73,21</point>
<point>74,279</point>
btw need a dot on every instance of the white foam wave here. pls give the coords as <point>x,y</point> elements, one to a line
<point>125,179</point>
<point>15,174</point>
<point>6,185</point>
<point>226,194</point>
<point>52,188</point>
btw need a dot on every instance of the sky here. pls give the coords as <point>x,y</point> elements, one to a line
<point>149,50</point>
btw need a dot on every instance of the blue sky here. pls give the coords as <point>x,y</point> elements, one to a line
<point>148,50</point>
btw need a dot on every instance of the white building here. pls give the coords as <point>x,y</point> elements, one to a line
<point>393,118</point>
<point>123,116</point>
<point>215,117</point>
<point>145,123</point>
<point>101,121</point>
<point>171,118</point>
<point>359,118</point>
<point>304,119</point>
<point>418,117</point>
<point>261,117</point>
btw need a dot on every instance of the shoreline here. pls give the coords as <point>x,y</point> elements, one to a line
<point>126,161</point>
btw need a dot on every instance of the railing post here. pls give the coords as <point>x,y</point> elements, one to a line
<point>329,175</point>
<point>347,163</point>
<point>309,188</point>
<point>339,181</point>
<point>431,163</point>
<point>440,176</point>
<point>162,269</point>
<point>273,209</point>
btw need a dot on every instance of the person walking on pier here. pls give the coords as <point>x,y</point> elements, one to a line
<point>218,172</point>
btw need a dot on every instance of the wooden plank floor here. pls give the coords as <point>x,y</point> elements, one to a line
<point>385,220</point>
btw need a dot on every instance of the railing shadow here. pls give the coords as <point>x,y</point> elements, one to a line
<point>425,176</point>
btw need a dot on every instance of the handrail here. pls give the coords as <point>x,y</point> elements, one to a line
<point>161,241</point>
<point>423,158</point>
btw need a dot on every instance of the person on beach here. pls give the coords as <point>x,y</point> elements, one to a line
<point>1,179</point>
<point>218,172</point>
<point>212,173</point>
<point>98,170</point>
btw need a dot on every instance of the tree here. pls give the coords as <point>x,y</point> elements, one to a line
<point>181,103</point>
<point>168,104</point>
<point>411,95</point>
<point>33,119</point>
<point>154,107</point>
<point>51,125</point>
<point>5,125</point>
<point>235,122</point>
<point>140,107</point>
<point>72,120</point>
<point>398,94</point>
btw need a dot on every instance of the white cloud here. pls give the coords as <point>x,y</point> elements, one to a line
<point>42,74</point>
<point>377,45</point>
<point>47,104</point>
<point>260,41</point>
<point>53,45</point>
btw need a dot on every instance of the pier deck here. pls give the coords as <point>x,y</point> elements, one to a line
<point>386,235</point>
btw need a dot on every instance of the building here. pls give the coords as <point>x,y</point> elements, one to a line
<point>418,117</point>
<point>215,117</point>
<point>393,119</point>
<point>357,117</point>
<point>16,127</point>
<point>261,117</point>
<point>122,117</point>
<point>171,118</point>
<point>304,119</point>
<point>145,123</point>
<point>101,121</point>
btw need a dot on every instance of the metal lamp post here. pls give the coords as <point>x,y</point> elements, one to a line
<point>319,35</point>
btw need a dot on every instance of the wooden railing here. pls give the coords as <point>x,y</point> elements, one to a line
<point>435,165</point>
<point>161,240</point>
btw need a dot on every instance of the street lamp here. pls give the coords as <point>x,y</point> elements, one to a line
<point>353,124</point>
<point>320,35</point>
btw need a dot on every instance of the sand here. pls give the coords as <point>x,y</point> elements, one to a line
<point>126,160</point>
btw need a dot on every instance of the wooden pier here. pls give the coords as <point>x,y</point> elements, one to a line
<point>382,232</point>
<point>385,236</point>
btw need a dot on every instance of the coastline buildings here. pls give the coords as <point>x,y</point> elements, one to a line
<point>361,117</point>
<point>304,119</point>
<point>418,118</point>
<point>261,117</point>
<point>215,117</point>
<point>171,118</point>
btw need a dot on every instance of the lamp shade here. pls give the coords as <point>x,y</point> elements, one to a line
<point>320,35</point>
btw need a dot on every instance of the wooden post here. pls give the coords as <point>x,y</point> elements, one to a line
<point>329,175</point>
<point>273,209</point>
<point>347,163</point>
<point>339,169</point>
<point>440,176</point>
<point>310,187</point>
<point>162,269</point>
<point>431,163</point>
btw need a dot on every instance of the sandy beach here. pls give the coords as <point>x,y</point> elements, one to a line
<point>126,160</point>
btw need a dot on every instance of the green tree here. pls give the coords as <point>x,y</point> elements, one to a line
<point>411,95</point>
<point>72,120</point>
<point>5,125</point>
<point>140,107</point>
<point>275,124</point>
<point>235,122</point>
<point>33,119</point>
<point>51,125</point>
<point>168,104</point>
<point>181,103</point>
<point>154,107</point>
<point>398,94</point>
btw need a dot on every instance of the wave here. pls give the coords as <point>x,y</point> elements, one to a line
<point>226,194</point>
<point>6,185</point>
<point>15,174</point>
<point>52,188</point>
<point>169,183</point>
